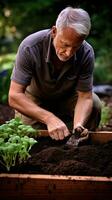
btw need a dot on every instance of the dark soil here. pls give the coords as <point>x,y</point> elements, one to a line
<point>49,157</point>
<point>6,113</point>
<point>52,157</point>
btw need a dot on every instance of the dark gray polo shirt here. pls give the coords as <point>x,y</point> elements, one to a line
<point>34,69</point>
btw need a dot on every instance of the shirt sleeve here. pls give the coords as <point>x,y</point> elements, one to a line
<point>22,71</point>
<point>85,81</point>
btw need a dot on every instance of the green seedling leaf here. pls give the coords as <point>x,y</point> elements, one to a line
<point>15,144</point>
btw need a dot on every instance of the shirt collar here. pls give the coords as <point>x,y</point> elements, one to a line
<point>48,50</point>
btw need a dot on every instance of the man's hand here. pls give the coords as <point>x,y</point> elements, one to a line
<point>79,134</point>
<point>80,131</point>
<point>57,128</point>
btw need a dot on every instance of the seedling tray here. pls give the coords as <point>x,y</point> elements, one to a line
<point>53,187</point>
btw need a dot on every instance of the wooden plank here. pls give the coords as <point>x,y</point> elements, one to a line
<point>101,137</point>
<point>42,133</point>
<point>54,187</point>
<point>95,137</point>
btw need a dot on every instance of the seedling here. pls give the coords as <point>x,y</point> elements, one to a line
<point>15,142</point>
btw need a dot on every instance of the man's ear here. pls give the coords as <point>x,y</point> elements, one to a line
<point>53,31</point>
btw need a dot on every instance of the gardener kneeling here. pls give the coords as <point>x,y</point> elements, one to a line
<point>51,83</point>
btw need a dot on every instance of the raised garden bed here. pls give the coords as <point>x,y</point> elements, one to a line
<point>18,184</point>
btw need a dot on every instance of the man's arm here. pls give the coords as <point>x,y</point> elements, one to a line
<point>83,108</point>
<point>19,101</point>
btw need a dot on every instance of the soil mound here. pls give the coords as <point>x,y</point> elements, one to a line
<point>52,157</point>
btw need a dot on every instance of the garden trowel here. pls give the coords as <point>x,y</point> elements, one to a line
<point>79,135</point>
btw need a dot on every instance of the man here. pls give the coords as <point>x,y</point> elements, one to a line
<point>51,82</point>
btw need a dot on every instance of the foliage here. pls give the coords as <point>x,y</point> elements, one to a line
<point>105,115</point>
<point>103,68</point>
<point>19,19</point>
<point>6,63</point>
<point>16,126</point>
<point>28,17</point>
<point>15,142</point>
<point>101,37</point>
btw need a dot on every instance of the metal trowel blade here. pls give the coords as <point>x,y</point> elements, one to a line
<point>73,141</point>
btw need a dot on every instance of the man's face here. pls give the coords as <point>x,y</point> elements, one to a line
<point>66,42</point>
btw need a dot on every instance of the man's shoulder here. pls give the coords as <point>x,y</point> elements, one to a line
<point>87,46</point>
<point>35,38</point>
<point>86,50</point>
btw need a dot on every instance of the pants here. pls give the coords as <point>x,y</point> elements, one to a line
<point>64,109</point>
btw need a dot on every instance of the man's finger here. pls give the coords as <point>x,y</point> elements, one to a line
<point>61,135</point>
<point>85,132</point>
<point>66,132</point>
<point>54,135</point>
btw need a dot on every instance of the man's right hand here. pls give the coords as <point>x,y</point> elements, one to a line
<point>57,128</point>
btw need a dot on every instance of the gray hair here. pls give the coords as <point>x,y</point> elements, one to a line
<point>75,18</point>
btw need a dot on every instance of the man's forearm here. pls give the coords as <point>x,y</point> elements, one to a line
<point>82,111</point>
<point>56,128</point>
<point>27,107</point>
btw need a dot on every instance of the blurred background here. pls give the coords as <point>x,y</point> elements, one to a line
<point>20,18</point>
